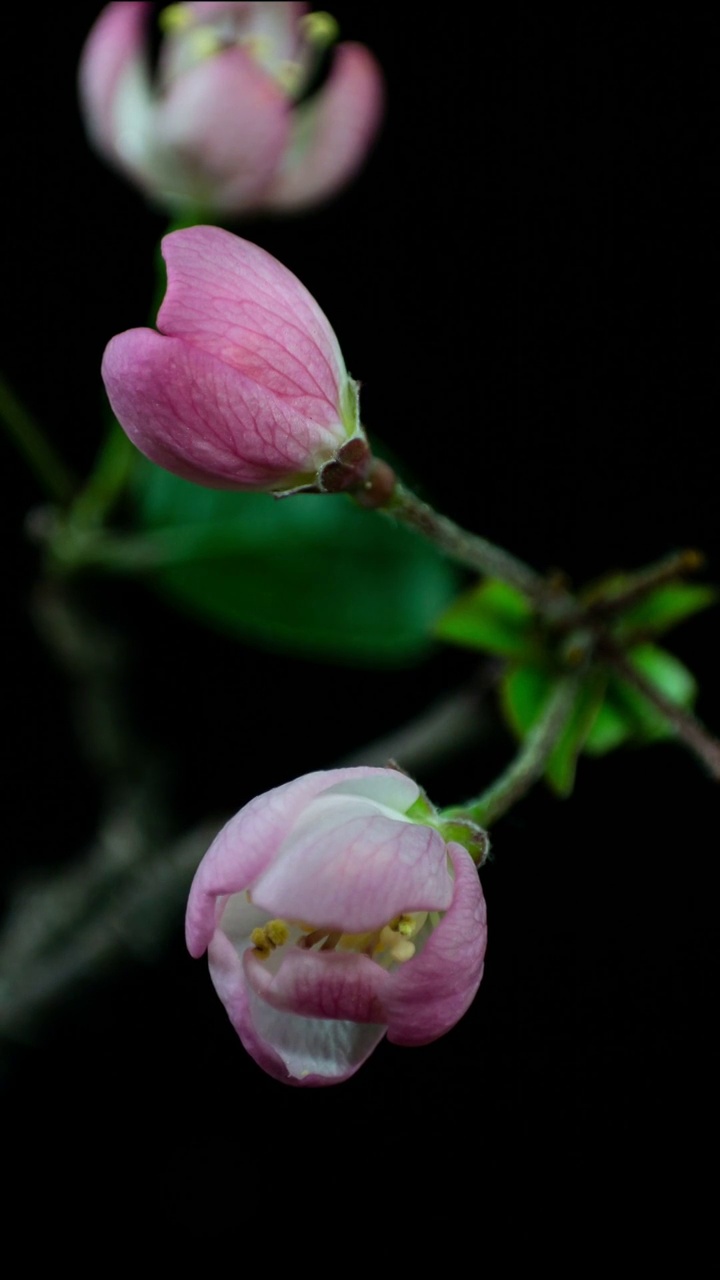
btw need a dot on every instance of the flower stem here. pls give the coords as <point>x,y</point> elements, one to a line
<point>603,603</point>
<point>466,548</point>
<point>107,482</point>
<point>529,764</point>
<point>46,464</point>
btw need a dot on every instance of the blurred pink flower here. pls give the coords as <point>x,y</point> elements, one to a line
<point>332,918</point>
<point>223,125</point>
<point>245,386</point>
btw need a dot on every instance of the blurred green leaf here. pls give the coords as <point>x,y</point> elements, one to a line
<point>313,574</point>
<point>525,691</point>
<point>562,764</point>
<point>666,606</point>
<point>611,728</point>
<point>493,617</point>
<point>628,716</point>
<point>671,677</point>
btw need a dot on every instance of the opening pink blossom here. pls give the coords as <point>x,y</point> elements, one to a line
<point>332,918</point>
<point>224,124</point>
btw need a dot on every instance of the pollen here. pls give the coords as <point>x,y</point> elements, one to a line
<point>399,948</point>
<point>175,17</point>
<point>269,936</point>
<point>289,74</point>
<point>277,932</point>
<point>320,28</point>
<point>204,43</point>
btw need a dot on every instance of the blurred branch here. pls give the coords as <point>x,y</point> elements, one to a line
<point>116,903</point>
<point>41,456</point>
<point>446,728</point>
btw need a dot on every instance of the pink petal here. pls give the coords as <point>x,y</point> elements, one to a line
<point>340,123</point>
<point>248,842</point>
<point>426,996</point>
<point>219,132</point>
<point>321,984</point>
<point>232,299</point>
<point>295,1050</point>
<point>203,420</point>
<point>114,50</point>
<point>357,873</point>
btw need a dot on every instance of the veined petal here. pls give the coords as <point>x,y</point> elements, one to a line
<point>357,873</point>
<point>387,787</point>
<point>113,70</point>
<point>314,1051</point>
<point>247,843</point>
<point>426,997</point>
<point>332,132</point>
<point>206,421</point>
<point>293,1049</point>
<point>233,300</point>
<point>321,984</point>
<point>218,133</point>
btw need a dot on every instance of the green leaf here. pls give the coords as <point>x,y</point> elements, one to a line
<point>671,677</point>
<point>611,728</point>
<point>525,691</point>
<point>523,694</point>
<point>627,716</point>
<point>562,764</point>
<point>312,574</point>
<point>493,617</point>
<point>666,606</point>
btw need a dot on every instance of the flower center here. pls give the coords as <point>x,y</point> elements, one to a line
<point>266,40</point>
<point>392,943</point>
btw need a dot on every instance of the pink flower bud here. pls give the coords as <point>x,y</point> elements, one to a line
<point>332,918</point>
<point>245,386</point>
<point>221,125</point>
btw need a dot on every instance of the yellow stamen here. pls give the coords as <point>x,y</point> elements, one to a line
<point>277,932</point>
<point>402,950</point>
<point>289,75</point>
<point>267,937</point>
<point>320,28</point>
<point>204,43</point>
<point>260,943</point>
<point>387,937</point>
<point>176,17</point>
<point>358,941</point>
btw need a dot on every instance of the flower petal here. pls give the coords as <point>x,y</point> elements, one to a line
<point>332,132</point>
<point>293,1049</point>
<point>427,996</point>
<point>218,133</point>
<point>321,984</point>
<point>355,873</point>
<point>113,71</point>
<point>248,842</point>
<point>203,420</point>
<point>233,300</point>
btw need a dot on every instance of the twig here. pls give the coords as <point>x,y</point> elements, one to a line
<point>529,764</point>
<point>684,723</point>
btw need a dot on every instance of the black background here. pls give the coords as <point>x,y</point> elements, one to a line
<point>524,278</point>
